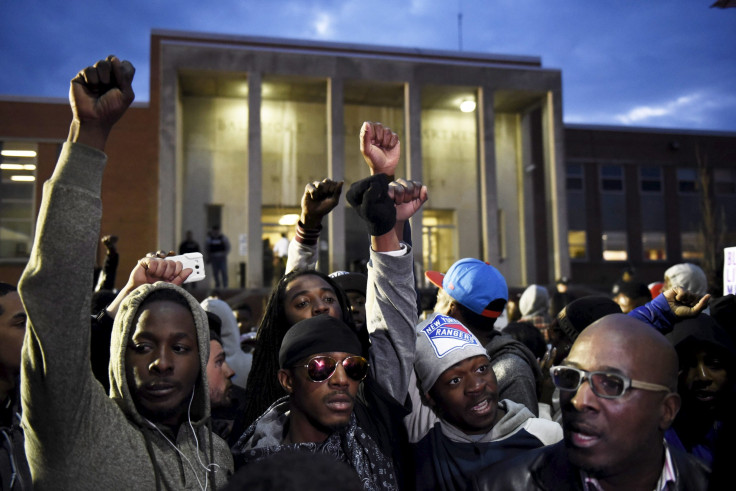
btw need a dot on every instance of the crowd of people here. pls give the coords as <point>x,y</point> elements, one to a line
<point>349,386</point>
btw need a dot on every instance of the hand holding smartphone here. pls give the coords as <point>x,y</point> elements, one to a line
<point>192,260</point>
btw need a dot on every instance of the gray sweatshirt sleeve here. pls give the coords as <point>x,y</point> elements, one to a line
<point>391,311</point>
<point>56,289</point>
<point>301,257</point>
<point>516,381</point>
<point>392,318</point>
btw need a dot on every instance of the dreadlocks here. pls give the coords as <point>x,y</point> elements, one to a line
<point>263,388</point>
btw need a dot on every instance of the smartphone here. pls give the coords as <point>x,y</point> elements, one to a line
<point>192,260</point>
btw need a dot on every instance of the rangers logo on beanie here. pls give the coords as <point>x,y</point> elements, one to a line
<point>442,342</point>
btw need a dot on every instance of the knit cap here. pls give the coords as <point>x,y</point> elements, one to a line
<point>442,341</point>
<point>723,310</point>
<point>580,313</point>
<point>534,301</point>
<point>318,334</point>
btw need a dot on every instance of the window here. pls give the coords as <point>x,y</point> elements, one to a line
<point>438,239</point>
<point>724,181</point>
<point>654,246</point>
<point>650,178</point>
<point>687,180</point>
<point>274,222</point>
<point>612,178</point>
<point>692,246</point>
<point>614,246</point>
<point>574,180</point>
<point>17,184</point>
<point>576,243</point>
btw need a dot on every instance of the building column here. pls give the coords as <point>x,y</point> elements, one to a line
<point>554,151</point>
<point>169,161</point>
<point>672,217</point>
<point>489,232</point>
<point>412,148</point>
<point>634,229</point>
<point>336,170</point>
<point>254,196</point>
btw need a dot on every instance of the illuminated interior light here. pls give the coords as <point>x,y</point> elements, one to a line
<point>17,167</point>
<point>18,153</point>
<point>289,219</point>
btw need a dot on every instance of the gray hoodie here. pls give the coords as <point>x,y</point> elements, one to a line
<point>236,358</point>
<point>76,436</point>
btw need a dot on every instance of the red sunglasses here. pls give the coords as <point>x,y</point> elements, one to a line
<point>321,368</point>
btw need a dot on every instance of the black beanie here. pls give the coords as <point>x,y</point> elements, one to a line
<point>702,329</point>
<point>320,334</point>
<point>635,290</point>
<point>215,324</point>
<point>581,313</point>
<point>723,310</point>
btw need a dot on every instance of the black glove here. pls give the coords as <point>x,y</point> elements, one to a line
<point>369,197</point>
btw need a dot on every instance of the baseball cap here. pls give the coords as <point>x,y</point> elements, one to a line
<point>474,284</point>
<point>688,276</point>
<point>350,281</point>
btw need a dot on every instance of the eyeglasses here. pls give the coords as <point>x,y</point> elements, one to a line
<point>607,385</point>
<point>321,368</point>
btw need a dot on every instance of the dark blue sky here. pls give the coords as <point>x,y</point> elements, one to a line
<point>653,63</point>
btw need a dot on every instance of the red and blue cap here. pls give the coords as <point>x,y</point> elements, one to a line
<point>474,284</point>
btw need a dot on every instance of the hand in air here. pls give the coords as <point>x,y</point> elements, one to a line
<point>684,303</point>
<point>380,147</point>
<point>408,196</point>
<point>319,199</point>
<point>100,94</point>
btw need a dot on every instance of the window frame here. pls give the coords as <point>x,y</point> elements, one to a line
<point>602,178</point>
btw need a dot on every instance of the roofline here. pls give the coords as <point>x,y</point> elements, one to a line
<point>37,99</point>
<point>334,48</point>
<point>647,129</point>
<point>51,100</point>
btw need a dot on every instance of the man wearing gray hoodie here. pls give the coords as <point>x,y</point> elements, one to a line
<point>151,432</point>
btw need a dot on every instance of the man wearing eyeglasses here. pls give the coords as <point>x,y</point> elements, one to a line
<point>618,397</point>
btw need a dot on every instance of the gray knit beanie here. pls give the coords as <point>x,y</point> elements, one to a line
<point>442,342</point>
<point>534,301</point>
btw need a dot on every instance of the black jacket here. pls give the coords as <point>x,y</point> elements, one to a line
<point>14,472</point>
<point>548,469</point>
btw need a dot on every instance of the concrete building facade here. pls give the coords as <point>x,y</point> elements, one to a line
<point>245,123</point>
<point>237,126</point>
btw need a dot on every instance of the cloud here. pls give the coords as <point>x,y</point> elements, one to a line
<point>323,24</point>
<point>417,7</point>
<point>687,104</point>
<point>705,109</point>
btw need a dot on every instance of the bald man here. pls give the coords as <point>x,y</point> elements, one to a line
<point>618,396</point>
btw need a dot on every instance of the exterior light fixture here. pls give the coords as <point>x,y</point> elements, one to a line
<point>467,106</point>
